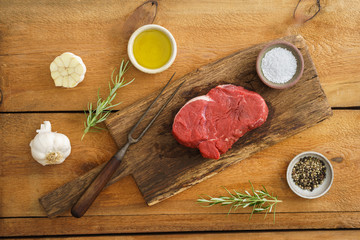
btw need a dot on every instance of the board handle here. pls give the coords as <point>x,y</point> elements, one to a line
<point>89,196</point>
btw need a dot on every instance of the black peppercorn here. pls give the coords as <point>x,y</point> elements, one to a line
<point>308,173</point>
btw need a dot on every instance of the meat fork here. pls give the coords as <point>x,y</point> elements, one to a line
<point>94,189</point>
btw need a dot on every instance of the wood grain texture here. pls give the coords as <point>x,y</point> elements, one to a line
<point>19,172</point>
<point>174,223</point>
<point>281,235</point>
<point>121,207</point>
<point>65,196</point>
<point>32,33</point>
<point>205,30</point>
<point>142,15</point>
<point>96,186</point>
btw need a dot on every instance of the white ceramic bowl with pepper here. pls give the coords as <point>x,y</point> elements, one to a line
<point>310,188</point>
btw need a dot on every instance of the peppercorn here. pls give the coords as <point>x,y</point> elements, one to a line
<point>308,173</point>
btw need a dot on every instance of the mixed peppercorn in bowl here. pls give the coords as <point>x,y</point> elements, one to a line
<point>310,175</point>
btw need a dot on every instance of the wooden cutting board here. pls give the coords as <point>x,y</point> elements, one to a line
<point>162,167</point>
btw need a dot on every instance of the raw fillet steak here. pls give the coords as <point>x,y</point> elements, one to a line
<point>215,121</point>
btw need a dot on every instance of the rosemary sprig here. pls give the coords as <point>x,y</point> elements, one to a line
<point>260,200</point>
<point>104,106</point>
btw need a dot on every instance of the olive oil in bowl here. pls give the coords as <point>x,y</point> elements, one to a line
<point>152,49</point>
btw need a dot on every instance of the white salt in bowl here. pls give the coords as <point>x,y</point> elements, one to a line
<point>299,68</point>
<point>322,188</point>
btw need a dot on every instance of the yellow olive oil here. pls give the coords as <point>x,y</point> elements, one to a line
<point>152,49</point>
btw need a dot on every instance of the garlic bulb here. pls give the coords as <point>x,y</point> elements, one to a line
<point>67,70</point>
<point>49,147</point>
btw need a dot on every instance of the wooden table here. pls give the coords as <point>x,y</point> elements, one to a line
<point>33,33</point>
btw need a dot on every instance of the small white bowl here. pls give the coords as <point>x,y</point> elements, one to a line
<point>322,188</point>
<point>131,44</point>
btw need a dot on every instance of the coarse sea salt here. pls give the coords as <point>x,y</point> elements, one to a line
<point>279,65</point>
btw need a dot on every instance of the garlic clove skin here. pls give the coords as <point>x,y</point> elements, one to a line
<point>49,147</point>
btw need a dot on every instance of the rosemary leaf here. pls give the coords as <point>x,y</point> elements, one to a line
<point>104,106</point>
<point>260,201</point>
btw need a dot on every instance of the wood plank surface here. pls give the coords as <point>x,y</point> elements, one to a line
<point>121,208</point>
<point>33,33</point>
<point>204,30</point>
<point>281,235</point>
<point>107,224</point>
<point>163,168</point>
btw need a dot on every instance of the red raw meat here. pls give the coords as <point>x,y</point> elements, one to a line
<point>215,121</point>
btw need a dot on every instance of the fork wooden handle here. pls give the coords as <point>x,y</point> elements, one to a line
<point>94,189</point>
<point>89,196</point>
